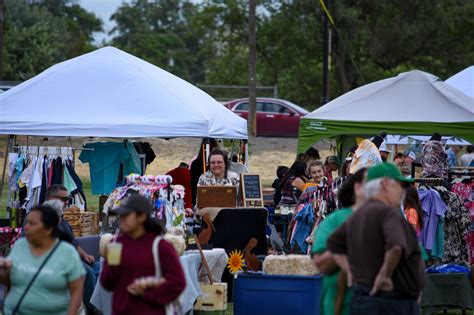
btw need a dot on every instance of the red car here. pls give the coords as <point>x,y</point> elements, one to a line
<point>275,117</point>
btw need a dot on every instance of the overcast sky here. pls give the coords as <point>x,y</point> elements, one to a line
<point>103,9</point>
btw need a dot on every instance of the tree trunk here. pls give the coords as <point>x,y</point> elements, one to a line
<point>2,28</point>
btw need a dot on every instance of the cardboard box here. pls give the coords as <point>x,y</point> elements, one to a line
<point>213,298</point>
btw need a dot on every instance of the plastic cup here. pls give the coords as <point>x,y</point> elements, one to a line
<point>114,254</point>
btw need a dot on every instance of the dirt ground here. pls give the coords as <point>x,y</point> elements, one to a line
<point>265,153</point>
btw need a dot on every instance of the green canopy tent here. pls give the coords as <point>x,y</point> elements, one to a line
<point>412,103</point>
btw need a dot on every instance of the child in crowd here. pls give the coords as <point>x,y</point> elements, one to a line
<point>316,172</point>
<point>281,171</point>
<point>413,209</point>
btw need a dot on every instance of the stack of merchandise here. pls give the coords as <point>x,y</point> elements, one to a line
<point>89,223</point>
<point>73,216</point>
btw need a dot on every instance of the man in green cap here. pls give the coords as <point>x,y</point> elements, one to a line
<point>378,249</point>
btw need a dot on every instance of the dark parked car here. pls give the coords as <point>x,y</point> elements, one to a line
<point>275,117</point>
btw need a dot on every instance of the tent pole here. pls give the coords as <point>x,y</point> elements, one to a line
<point>5,164</point>
<point>246,152</point>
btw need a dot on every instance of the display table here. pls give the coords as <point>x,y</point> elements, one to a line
<point>216,260</point>
<point>190,261</point>
<point>447,291</point>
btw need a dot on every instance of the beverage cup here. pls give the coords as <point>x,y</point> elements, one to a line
<point>114,253</point>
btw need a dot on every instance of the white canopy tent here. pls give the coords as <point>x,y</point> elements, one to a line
<point>463,81</point>
<point>110,93</point>
<point>412,103</point>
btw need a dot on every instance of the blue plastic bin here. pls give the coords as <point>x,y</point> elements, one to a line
<point>260,294</point>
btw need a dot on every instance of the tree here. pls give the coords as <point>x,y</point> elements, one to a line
<point>385,38</point>
<point>160,32</point>
<point>208,41</point>
<point>41,34</point>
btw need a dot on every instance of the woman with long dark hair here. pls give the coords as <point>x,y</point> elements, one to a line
<point>293,182</point>
<point>125,276</point>
<point>413,209</point>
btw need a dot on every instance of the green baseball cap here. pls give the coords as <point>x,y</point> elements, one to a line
<point>387,170</point>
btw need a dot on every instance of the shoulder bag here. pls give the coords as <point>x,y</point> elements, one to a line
<point>17,307</point>
<point>174,307</point>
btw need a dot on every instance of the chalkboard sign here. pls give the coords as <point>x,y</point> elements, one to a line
<point>251,188</point>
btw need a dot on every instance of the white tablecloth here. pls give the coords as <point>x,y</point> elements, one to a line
<point>217,261</point>
<point>190,261</point>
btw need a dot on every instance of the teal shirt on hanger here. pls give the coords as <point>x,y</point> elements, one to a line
<point>104,163</point>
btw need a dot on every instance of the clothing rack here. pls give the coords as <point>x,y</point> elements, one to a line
<point>431,181</point>
<point>31,146</point>
<point>463,172</point>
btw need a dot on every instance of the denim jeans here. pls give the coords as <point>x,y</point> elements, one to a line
<point>89,284</point>
<point>382,304</point>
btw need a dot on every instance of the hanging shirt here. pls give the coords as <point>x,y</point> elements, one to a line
<point>34,182</point>
<point>412,217</point>
<point>305,220</point>
<point>132,165</point>
<point>456,225</point>
<point>104,163</point>
<point>434,209</point>
<point>434,160</point>
<point>367,154</point>
<point>182,176</point>
<point>68,181</point>
<point>12,172</point>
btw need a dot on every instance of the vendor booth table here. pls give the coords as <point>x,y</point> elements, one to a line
<point>445,291</point>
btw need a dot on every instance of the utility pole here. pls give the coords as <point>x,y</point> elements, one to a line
<point>326,52</point>
<point>2,32</point>
<point>252,117</point>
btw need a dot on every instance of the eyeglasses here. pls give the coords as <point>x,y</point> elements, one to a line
<point>62,198</point>
<point>217,162</point>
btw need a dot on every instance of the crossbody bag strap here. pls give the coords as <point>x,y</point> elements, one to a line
<point>156,256</point>
<point>17,307</point>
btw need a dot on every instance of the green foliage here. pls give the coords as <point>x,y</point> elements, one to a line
<point>160,33</point>
<point>207,41</point>
<point>44,33</point>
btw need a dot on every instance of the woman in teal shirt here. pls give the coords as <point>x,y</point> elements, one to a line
<point>57,290</point>
<point>335,297</point>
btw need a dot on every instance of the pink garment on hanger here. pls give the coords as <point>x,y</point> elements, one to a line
<point>50,173</point>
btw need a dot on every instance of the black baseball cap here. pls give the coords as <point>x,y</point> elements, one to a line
<point>134,203</point>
